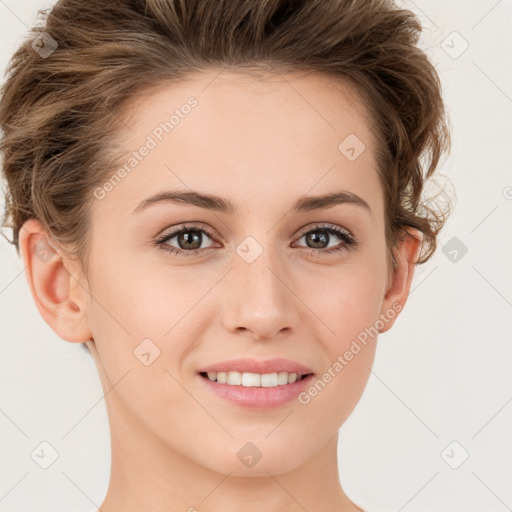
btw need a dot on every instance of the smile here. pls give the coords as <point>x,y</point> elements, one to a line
<point>247,379</point>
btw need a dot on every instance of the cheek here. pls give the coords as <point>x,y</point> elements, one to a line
<point>140,299</point>
<point>349,307</point>
<point>151,310</point>
<point>347,300</point>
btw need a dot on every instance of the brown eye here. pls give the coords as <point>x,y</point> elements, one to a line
<point>188,241</point>
<point>319,237</point>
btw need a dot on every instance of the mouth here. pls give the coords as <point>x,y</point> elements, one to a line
<point>258,392</point>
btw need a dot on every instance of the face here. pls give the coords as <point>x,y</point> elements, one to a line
<point>180,285</point>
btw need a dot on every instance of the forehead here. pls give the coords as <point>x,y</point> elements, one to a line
<point>318,102</point>
<point>250,139</point>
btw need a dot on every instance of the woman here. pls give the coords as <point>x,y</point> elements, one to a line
<point>222,200</point>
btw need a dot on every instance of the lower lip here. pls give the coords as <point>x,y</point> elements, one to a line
<point>259,397</point>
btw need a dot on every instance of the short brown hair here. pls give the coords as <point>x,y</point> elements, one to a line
<point>59,114</point>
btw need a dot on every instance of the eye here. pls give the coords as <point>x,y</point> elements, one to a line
<point>189,240</point>
<point>321,235</point>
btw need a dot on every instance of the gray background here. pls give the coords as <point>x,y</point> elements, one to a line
<point>441,384</point>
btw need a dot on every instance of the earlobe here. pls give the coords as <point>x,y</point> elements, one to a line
<point>406,255</point>
<point>60,303</point>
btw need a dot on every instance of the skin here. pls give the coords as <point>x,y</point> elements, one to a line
<point>262,144</point>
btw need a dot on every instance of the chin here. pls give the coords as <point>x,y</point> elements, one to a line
<point>255,458</point>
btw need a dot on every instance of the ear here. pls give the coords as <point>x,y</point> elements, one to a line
<point>406,254</point>
<point>55,282</point>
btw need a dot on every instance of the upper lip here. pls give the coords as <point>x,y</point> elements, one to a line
<point>258,366</point>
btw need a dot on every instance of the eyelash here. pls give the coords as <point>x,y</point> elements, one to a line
<point>348,239</point>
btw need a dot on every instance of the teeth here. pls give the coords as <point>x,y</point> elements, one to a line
<point>250,379</point>
<point>234,378</point>
<point>213,376</point>
<point>246,379</point>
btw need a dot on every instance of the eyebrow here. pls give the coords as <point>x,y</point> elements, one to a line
<point>219,204</point>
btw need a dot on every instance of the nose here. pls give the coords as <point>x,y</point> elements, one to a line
<point>261,299</point>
